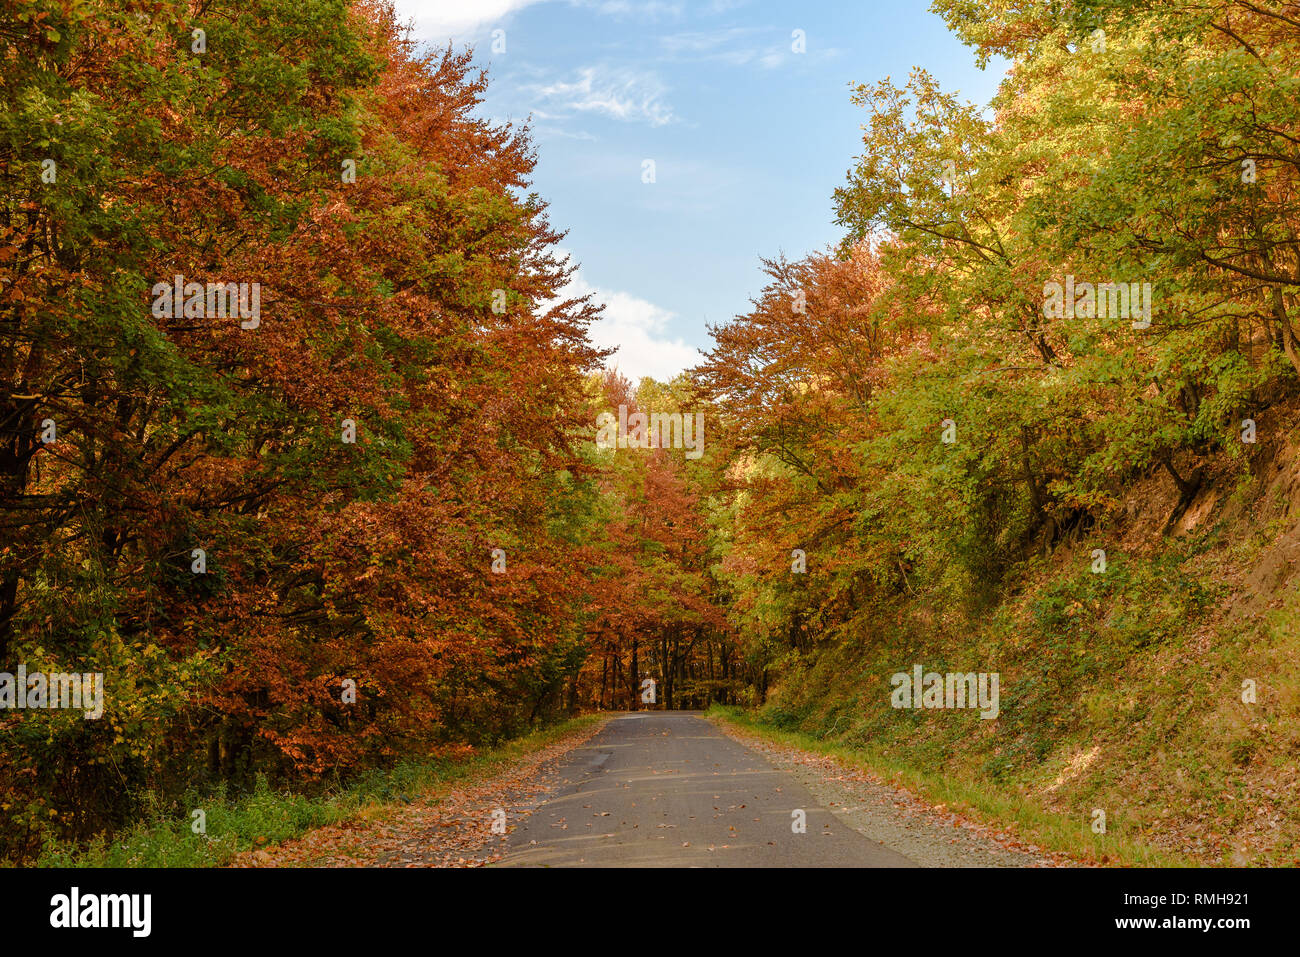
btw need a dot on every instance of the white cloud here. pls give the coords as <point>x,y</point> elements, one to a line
<point>620,93</point>
<point>707,41</point>
<point>731,46</point>
<point>442,20</point>
<point>543,133</point>
<point>641,9</point>
<point>734,46</point>
<point>638,329</point>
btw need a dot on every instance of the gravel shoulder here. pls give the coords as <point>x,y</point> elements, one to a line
<point>930,835</point>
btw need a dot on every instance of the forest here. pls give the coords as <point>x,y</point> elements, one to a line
<point>301,441</point>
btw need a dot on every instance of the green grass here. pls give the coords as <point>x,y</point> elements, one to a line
<point>978,800</point>
<point>267,817</point>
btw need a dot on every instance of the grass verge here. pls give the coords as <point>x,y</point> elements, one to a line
<point>267,817</point>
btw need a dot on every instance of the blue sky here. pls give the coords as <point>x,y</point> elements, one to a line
<point>748,137</point>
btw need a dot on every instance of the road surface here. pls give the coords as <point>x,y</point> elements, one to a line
<point>669,789</point>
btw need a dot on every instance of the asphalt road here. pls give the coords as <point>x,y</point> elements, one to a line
<point>668,789</point>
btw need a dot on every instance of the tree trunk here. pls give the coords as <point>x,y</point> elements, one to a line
<point>1288,335</point>
<point>635,682</point>
<point>604,677</point>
